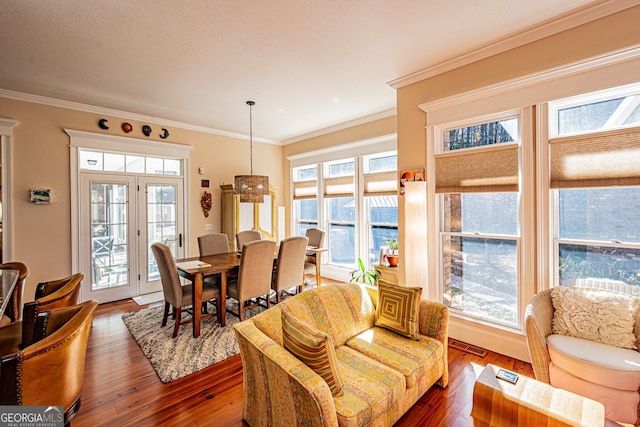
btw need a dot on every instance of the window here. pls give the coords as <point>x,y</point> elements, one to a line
<point>380,201</point>
<point>595,182</point>
<point>128,163</point>
<point>477,170</point>
<point>339,192</point>
<point>357,206</point>
<point>305,200</point>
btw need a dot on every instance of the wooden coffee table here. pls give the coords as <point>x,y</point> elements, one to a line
<point>529,402</point>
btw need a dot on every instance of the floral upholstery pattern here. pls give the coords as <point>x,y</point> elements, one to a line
<point>382,379</point>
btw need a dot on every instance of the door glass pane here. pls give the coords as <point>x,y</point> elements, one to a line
<point>161,223</point>
<point>109,235</point>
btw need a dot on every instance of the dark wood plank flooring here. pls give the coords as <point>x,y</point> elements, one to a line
<point>122,389</point>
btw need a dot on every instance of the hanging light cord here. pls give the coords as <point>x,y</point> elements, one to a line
<point>251,104</point>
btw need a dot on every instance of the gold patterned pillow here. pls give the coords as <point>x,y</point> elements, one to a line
<point>398,309</point>
<point>314,348</point>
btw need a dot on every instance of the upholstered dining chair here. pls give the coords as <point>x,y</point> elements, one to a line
<point>213,244</point>
<point>176,295</point>
<point>246,236</point>
<point>13,312</point>
<point>50,371</point>
<point>254,275</point>
<point>289,270</point>
<point>316,240</point>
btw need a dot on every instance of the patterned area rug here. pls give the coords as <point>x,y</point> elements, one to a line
<point>174,358</point>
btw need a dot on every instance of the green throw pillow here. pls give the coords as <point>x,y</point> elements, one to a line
<point>398,309</point>
<point>314,348</point>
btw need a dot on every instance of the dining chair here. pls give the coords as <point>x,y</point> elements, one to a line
<point>316,240</point>
<point>254,275</point>
<point>213,244</point>
<point>50,371</point>
<point>13,312</point>
<point>175,294</point>
<point>57,293</point>
<point>289,270</point>
<point>246,236</point>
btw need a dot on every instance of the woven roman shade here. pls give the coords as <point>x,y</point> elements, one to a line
<point>305,190</point>
<point>341,186</point>
<point>380,184</point>
<point>476,170</point>
<point>596,160</point>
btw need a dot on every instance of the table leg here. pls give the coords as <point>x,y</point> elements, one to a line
<point>318,271</point>
<point>197,303</point>
<point>221,306</point>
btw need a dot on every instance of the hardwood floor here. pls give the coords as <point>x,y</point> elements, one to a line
<point>122,389</point>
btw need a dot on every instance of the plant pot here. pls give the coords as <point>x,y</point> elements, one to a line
<point>392,260</point>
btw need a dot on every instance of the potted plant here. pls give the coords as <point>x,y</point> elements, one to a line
<point>363,274</point>
<point>392,256</point>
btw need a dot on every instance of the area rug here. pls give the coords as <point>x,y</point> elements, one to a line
<point>174,358</point>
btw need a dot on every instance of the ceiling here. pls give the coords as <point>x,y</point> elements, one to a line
<point>308,64</point>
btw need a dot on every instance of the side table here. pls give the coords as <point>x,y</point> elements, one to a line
<point>529,402</point>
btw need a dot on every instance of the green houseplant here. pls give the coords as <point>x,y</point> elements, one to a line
<point>363,274</point>
<point>392,256</point>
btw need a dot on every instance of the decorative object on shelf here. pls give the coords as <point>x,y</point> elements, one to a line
<point>103,124</point>
<point>392,256</point>
<point>206,203</point>
<point>251,188</point>
<point>410,175</point>
<point>146,130</point>
<point>164,134</point>
<point>40,196</point>
<point>363,274</point>
<point>127,127</point>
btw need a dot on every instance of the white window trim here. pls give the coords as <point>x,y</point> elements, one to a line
<point>6,130</point>
<point>612,69</point>
<point>81,139</point>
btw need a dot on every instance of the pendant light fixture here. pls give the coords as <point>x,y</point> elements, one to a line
<point>251,188</point>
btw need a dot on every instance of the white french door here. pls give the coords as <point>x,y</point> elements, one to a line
<point>161,199</point>
<point>121,215</point>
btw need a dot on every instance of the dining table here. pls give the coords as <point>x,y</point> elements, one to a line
<point>196,268</point>
<point>8,280</point>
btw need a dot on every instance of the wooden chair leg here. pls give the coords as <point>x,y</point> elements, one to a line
<point>178,319</point>
<point>166,313</point>
<point>219,310</point>
<point>240,310</point>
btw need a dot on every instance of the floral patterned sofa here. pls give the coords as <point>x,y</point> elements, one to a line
<point>381,373</point>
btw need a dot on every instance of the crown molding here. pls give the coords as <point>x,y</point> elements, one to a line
<point>622,55</point>
<point>87,108</point>
<point>539,31</point>
<point>341,126</point>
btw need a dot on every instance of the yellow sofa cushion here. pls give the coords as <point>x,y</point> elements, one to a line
<point>370,388</point>
<point>411,358</point>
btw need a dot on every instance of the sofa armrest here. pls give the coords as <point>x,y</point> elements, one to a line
<point>538,319</point>
<point>433,321</point>
<point>292,393</point>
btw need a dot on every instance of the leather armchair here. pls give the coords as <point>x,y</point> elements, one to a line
<point>50,372</point>
<point>14,309</point>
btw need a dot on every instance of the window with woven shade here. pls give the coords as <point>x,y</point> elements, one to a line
<point>477,171</point>
<point>594,177</point>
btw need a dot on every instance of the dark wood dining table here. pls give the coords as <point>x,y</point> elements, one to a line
<point>195,268</point>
